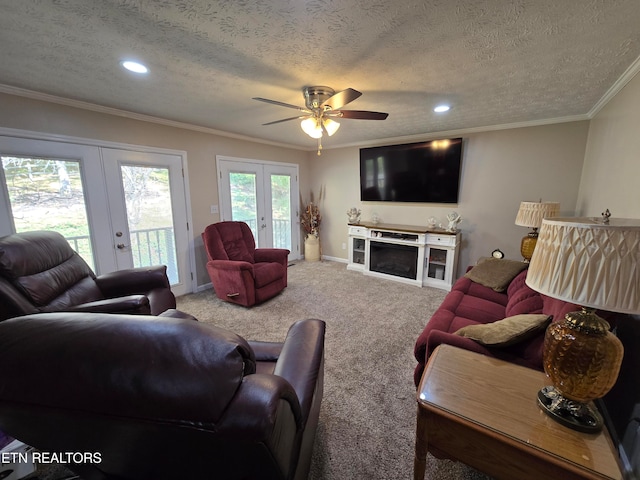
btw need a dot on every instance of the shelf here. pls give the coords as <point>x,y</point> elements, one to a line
<point>437,262</point>
<point>401,228</point>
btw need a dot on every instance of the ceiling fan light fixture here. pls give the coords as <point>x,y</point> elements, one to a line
<point>311,127</point>
<point>331,126</point>
<point>322,104</point>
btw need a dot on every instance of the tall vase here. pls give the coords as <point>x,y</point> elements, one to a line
<point>311,248</point>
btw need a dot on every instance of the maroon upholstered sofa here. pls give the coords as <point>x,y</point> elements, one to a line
<point>471,303</point>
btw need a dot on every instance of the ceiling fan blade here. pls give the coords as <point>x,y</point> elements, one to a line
<point>340,99</point>
<point>282,104</point>
<point>362,114</point>
<point>286,119</point>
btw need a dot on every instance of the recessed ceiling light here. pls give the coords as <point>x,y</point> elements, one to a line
<point>134,66</point>
<point>442,108</point>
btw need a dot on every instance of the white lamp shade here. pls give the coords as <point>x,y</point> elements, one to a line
<point>531,214</point>
<point>331,126</point>
<point>311,127</point>
<point>589,263</point>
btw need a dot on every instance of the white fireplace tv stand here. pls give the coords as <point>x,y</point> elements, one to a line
<point>414,255</point>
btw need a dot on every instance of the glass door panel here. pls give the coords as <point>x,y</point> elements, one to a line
<point>150,217</point>
<point>47,194</point>
<point>147,207</point>
<point>281,210</point>
<point>244,200</point>
<point>281,207</point>
<point>437,263</point>
<point>357,250</point>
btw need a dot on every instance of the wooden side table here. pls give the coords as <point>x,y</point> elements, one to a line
<point>483,412</point>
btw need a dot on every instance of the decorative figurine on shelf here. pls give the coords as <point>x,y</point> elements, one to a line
<point>375,219</point>
<point>354,215</point>
<point>431,222</point>
<point>454,219</point>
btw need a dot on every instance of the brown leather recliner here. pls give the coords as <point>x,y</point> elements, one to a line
<point>40,272</point>
<point>162,398</point>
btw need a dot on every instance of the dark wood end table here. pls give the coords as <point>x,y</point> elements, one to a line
<point>483,412</point>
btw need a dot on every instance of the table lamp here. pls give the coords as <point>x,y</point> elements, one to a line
<point>531,214</point>
<point>595,264</point>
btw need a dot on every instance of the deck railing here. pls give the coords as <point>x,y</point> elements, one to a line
<point>281,232</point>
<point>156,246</point>
<point>149,246</point>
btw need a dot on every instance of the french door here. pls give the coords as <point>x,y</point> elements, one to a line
<point>148,212</point>
<point>117,208</point>
<point>265,196</point>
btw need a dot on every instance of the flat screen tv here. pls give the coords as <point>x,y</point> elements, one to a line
<point>426,172</point>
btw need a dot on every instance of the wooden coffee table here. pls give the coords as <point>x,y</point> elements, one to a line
<point>484,412</point>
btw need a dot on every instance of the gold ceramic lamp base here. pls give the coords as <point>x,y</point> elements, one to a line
<point>528,244</point>
<point>582,358</point>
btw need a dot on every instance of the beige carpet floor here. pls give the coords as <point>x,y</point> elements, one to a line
<point>367,419</point>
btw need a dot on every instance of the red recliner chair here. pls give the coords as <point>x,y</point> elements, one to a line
<point>240,272</point>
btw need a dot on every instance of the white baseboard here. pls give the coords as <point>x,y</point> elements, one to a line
<point>335,259</point>
<point>206,286</point>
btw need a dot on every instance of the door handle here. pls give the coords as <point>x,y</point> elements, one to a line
<point>264,225</point>
<point>121,246</point>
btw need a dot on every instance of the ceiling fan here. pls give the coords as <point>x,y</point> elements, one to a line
<point>322,106</point>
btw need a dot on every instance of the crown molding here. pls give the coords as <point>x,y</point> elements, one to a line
<point>464,131</point>
<point>625,78</point>
<point>45,97</point>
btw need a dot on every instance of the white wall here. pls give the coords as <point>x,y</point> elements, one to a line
<point>500,169</point>
<point>611,174</point>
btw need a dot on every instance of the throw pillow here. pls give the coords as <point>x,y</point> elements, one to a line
<point>495,273</point>
<point>509,331</point>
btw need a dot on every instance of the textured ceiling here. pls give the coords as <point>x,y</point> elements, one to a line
<point>496,62</point>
